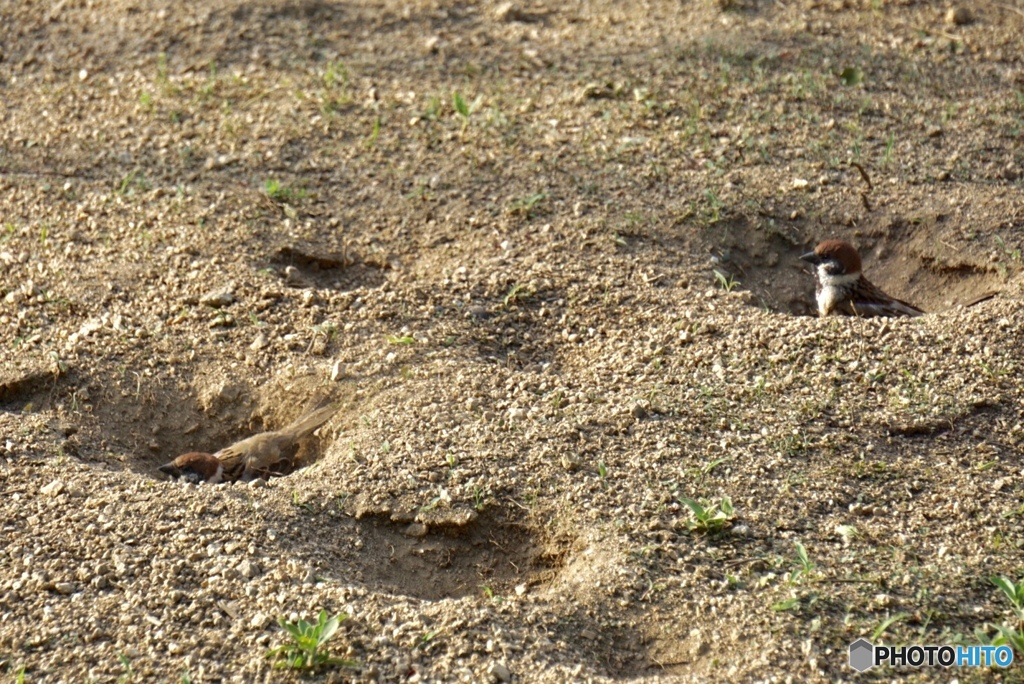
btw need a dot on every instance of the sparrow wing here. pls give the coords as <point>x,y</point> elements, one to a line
<point>236,458</point>
<point>867,300</point>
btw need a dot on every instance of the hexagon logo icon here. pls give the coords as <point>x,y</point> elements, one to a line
<point>862,655</point>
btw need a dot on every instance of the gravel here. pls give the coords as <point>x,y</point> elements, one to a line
<point>548,316</point>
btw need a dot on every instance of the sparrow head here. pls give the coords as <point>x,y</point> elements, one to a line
<point>195,467</point>
<point>834,258</point>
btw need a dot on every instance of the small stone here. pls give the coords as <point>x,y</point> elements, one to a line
<point>415,530</point>
<point>933,131</point>
<point>259,621</point>
<point>959,16</point>
<point>247,569</point>
<point>52,489</point>
<point>259,342</point>
<point>509,11</point>
<point>499,673</point>
<point>258,483</point>
<point>64,588</point>
<point>570,463</point>
<point>217,298</point>
<point>337,371</point>
<point>521,589</point>
<point>223,320</point>
<point>638,410</point>
<point>516,414</point>
<point>293,276</point>
<point>217,162</point>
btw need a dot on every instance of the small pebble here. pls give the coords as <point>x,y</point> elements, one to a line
<point>499,672</point>
<point>959,16</point>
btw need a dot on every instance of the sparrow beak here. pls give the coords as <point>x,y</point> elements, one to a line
<point>811,258</point>
<point>170,469</point>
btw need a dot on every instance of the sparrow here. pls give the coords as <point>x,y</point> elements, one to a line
<point>843,289</point>
<point>260,455</point>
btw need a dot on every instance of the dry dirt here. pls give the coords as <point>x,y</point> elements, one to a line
<point>544,257</point>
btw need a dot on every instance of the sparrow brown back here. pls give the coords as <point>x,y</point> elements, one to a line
<point>257,455</point>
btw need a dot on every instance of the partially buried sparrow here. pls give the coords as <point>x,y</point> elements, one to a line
<point>260,455</point>
<point>843,289</point>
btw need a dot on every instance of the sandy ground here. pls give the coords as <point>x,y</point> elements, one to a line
<point>544,258</point>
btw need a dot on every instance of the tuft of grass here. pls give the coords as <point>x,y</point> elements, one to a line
<point>851,76</point>
<point>131,183</point>
<point>480,495</point>
<point>708,519</point>
<point>162,78</point>
<point>518,293</point>
<point>1014,593</point>
<point>1014,254</point>
<point>788,604</point>
<point>371,139</point>
<point>307,651</point>
<point>129,673</point>
<point>890,146</point>
<point>1007,635</point>
<point>433,110</point>
<point>887,623</point>
<point>525,206</point>
<point>804,565</point>
<point>465,109</point>
<point>281,193</point>
<point>336,75</point>
<point>404,339</point>
<point>716,205</point>
<point>727,283</point>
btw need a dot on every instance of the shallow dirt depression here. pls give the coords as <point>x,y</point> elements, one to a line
<point>915,259</point>
<point>418,552</point>
<point>458,554</point>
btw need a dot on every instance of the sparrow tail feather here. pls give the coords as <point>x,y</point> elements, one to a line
<point>309,422</point>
